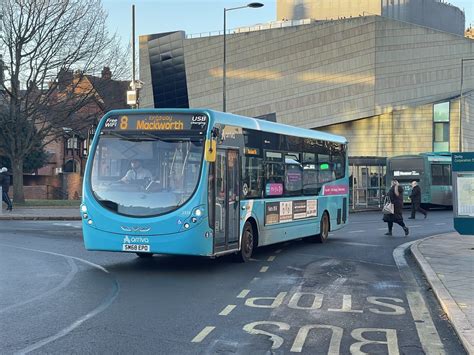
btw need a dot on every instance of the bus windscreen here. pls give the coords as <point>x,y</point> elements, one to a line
<point>140,176</point>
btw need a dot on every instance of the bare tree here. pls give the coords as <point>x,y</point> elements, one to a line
<point>41,40</point>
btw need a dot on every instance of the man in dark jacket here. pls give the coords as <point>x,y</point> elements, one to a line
<point>5,183</point>
<point>415,198</point>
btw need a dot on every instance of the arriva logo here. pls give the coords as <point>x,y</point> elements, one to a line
<point>128,240</point>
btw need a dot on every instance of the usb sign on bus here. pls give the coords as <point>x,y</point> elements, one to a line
<point>209,183</point>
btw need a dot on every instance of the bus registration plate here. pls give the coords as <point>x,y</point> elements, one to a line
<point>136,247</point>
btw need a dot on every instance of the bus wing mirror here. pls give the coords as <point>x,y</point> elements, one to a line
<point>210,150</point>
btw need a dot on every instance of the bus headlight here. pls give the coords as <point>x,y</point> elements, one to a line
<point>89,222</point>
<point>198,212</point>
<point>83,208</point>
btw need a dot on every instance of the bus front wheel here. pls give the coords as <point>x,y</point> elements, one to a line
<point>324,229</point>
<point>246,247</point>
<point>145,255</point>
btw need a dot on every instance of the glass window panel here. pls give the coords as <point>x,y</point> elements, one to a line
<point>441,132</point>
<point>293,177</point>
<point>441,146</point>
<point>447,174</point>
<point>441,112</point>
<point>274,178</point>
<point>437,174</point>
<point>138,176</point>
<point>252,177</point>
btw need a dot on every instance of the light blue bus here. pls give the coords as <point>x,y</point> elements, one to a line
<point>202,182</point>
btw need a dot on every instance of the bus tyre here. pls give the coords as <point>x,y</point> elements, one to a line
<point>145,255</point>
<point>324,229</point>
<point>246,247</point>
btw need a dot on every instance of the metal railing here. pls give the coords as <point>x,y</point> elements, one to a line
<point>260,27</point>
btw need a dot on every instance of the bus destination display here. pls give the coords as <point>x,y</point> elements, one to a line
<point>157,122</point>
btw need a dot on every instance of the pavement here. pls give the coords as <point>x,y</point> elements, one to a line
<point>41,213</point>
<point>447,261</point>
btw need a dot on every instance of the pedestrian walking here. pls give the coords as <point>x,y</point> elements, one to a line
<point>415,198</point>
<point>5,183</point>
<point>396,197</point>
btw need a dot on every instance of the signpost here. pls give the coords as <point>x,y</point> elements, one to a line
<point>463,192</point>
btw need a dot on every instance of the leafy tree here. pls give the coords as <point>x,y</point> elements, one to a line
<point>43,40</point>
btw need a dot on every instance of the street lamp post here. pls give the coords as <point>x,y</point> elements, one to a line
<point>251,5</point>
<point>461,99</point>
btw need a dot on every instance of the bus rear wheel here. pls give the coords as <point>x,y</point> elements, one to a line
<point>322,237</point>
<point>144,255</point>
<point>247,244</point>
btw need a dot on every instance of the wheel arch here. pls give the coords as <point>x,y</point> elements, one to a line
<point>254,224</point>
<point>329,218</point>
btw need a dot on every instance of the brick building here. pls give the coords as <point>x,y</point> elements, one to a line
<point>67,154</point>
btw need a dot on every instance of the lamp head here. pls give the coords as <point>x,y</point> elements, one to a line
<point>255,4</point>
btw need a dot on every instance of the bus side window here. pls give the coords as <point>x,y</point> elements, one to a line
<point>293,177</point>
<point>252,177</point>
<point>274,179</point>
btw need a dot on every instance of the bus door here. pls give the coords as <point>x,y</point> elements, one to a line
<point>226,229</point>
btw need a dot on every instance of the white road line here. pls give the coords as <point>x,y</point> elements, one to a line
<point>243,294</point>
<point>227,310</point>
<point>67,280</point>
<point>278,251</point>
<point>381,229</point>
<point>203,334</point>
<point>361,231</point>
<point>255,279</point>
<point>439,224</point>
<point>101,307</point>
<point>417,226</point>
<point>271,258</point>
<point>427,332</point>
<point>63,224</point>
<point>264,269</point>
<point>359,244</point>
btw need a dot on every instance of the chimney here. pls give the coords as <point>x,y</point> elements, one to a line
<point>106,73</point>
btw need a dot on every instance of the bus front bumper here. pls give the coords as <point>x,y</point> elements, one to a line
<point>196,241</point>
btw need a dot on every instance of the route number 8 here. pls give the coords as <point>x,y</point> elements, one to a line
<point>124,122</point>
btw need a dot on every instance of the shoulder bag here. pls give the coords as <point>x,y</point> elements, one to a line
<point>388,207</point>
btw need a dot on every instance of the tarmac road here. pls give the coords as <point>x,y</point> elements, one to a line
<point>349,295</point>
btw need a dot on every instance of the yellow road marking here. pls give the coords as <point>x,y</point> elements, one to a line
<point>264,269</point>
<point>271,258</point>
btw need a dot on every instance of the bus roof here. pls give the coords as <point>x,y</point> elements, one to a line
<point>244,122</point>
<point>267,126</point>
<point>429,155</point>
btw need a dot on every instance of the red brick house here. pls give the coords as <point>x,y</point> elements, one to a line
<point>67,154</point>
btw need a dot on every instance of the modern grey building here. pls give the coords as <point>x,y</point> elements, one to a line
<point>430,13</point>
<point>390,87</point>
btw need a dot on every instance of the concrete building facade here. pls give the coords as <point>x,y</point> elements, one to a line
<point>429,13</point>
<point>373,79</point>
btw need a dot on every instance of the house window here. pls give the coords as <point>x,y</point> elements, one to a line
<point>441,127</point>
<point>72,143</point>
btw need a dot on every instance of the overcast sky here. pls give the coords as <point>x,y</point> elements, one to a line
<point>196,16</point>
